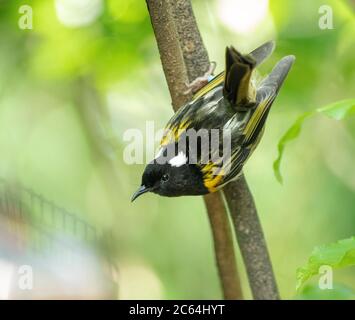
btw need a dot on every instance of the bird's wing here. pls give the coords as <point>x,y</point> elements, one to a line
<point>208,110</point>
<point>245,143</point>
<point>203,112</point>
<point>266,94</point>
<point>261,53</point>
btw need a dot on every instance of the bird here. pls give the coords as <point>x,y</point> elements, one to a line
<point>235,104</point>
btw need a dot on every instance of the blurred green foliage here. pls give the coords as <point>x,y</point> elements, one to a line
<point>337,111</point>
<point>68,93</point>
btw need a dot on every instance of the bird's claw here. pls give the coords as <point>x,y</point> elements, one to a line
<point>200,82</point>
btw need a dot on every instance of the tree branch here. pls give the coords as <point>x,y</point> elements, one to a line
<point>223,246</point>
<point>169,50</point>
<point>180,46</point>
<point>251,240</point>
<point>193,50</point>
<point>240,200</point>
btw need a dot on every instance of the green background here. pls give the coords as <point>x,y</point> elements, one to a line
<point>67,95</point>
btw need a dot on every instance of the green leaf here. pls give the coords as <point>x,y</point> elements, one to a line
<point>337,110</point>
<point>336,255</point>
<point>291,134</point>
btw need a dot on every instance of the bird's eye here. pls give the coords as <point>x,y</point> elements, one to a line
<point>165,177</point>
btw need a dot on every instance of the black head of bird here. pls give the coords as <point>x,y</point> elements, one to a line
<point>171,181</point>
<point>234,105</point>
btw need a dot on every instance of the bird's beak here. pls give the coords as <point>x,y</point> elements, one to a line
<point>140,191</point>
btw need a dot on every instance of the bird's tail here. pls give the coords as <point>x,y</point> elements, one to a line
<point>260,54</point>
<point>239,70</point>
<point>265,96</point>
<point>237,79</point>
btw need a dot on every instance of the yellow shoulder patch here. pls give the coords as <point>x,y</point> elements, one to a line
<point>212,183</point>
<point>212,176</point>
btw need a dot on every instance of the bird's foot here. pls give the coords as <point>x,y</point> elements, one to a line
<point>200,82</point>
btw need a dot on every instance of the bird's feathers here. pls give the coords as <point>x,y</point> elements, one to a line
<point>260,54</point>
<point>219,105</point>
<point>237,79</point>
<point>266,94</point>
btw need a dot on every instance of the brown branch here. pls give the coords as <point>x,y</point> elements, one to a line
<point>193,50</point>
<point>180,43</point>
<point>197,63</point>
<point>223,245</point>
<point>240,200</point>
<point>169,50</point>
<point>251,240</point>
